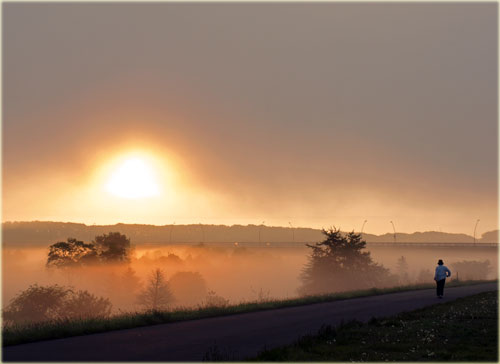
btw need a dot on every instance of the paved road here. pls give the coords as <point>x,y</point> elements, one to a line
<point>237,336</point>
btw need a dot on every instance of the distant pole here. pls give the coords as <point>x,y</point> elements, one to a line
<point>293,232</point>
<point>477,222</point>
<point>363,226</point>
<point>260,228</point>
<point>202,233</point>
<point>394,229</point>
<point>171,228</point>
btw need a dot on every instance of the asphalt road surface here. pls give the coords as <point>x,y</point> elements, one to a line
<point>236,336</point>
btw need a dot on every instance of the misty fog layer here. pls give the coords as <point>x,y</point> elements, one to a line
<point>232,272</point>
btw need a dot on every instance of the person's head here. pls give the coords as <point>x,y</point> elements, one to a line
<point>440,262</point>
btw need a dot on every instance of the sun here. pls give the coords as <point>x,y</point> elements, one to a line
<point>134,178</point>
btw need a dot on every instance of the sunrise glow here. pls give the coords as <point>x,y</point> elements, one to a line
<point>134,178</point>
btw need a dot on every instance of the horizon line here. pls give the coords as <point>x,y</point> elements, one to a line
<point>200,224</point>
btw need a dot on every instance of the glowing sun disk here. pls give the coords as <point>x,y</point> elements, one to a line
<point>133,179</point>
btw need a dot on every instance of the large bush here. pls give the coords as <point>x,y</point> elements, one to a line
<point>43,303</point>
<point>339,263</point>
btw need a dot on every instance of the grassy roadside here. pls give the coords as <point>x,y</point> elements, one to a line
<point>59,329</point>
<point>462,330</point>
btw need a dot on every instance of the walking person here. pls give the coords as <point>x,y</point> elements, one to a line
<point>442,272</point>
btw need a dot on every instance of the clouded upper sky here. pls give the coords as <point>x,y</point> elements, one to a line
<point>315,114</point>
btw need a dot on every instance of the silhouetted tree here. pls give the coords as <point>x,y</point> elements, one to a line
<point>189,288</point>
<point>157,294</point>
<point>71,253</point>
<point>338,263</point>
<point>42,303</point>
<point>107,248</point>
<point>113,247</point>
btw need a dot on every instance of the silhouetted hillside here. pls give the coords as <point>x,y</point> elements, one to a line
<point>490,237</point>
<point>42,233</point>
<point>419,237</point>
<point>47,232</point>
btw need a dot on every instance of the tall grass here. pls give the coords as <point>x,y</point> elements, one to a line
<point>17,334</point>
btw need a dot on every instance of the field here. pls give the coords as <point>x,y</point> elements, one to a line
<point>463,330</point>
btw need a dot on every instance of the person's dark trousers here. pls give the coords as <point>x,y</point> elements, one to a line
<point>440,287</point>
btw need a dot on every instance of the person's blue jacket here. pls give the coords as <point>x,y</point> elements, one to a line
<point>442,272</point>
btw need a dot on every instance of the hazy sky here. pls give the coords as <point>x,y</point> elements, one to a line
<point>315,114</point>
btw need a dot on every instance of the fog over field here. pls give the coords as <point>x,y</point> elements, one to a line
<point>236,273</point>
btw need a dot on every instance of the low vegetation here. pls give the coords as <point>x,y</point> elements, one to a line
<point>60,327</point>
<point>462,330</point>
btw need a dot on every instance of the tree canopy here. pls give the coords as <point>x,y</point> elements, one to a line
<point>107,248</point>
<point>339,263</point>
<point>71,253</point>
<point>113,247</point>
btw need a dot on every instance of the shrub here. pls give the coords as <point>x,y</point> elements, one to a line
<point>43,303</point>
